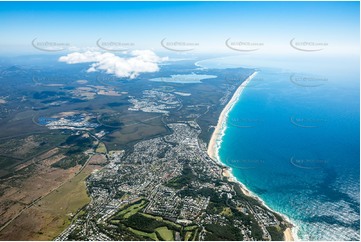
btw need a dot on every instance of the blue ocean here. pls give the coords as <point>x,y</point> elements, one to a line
<point>293,140</point>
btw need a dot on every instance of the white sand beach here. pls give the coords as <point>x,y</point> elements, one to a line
<point>288,235</point>
<point>218,131</point>
<point>213,148</point>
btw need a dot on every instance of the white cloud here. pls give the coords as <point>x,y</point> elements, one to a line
<point>139,61</point>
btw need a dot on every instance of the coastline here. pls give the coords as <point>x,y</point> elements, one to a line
<point>213,149</point>
<point>218,132</point>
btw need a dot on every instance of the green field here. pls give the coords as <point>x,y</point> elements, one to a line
<point>226,212</point>
<point>131,210</point>
<point>191,232</point>
<point>149,226</point>
<point>165,233</point>
<point>196,233</point>
<point>189,228</point>
<point>101,148</point>
<point>151,236</point>
<point>188,236</point>
<point>177,226</point>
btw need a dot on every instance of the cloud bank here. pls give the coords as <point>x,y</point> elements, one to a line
<point>139,61</point>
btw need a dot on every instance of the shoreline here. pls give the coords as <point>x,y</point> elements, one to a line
<point>213,149</point>
<point>218,132</point>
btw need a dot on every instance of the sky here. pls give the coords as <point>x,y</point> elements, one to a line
<point>201,27</point>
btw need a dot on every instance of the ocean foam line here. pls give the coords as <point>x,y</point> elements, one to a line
<point>220,129</point>
<point>215,144</point>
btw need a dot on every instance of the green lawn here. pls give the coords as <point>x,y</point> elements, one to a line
<point>133,209</point>
<point>158,218</point>
<point>165,233</point>
<point>189,228</point>
<point>195,235</point>
<point>101,148</point>
<point>188,236</point>
<point>151,236</point>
